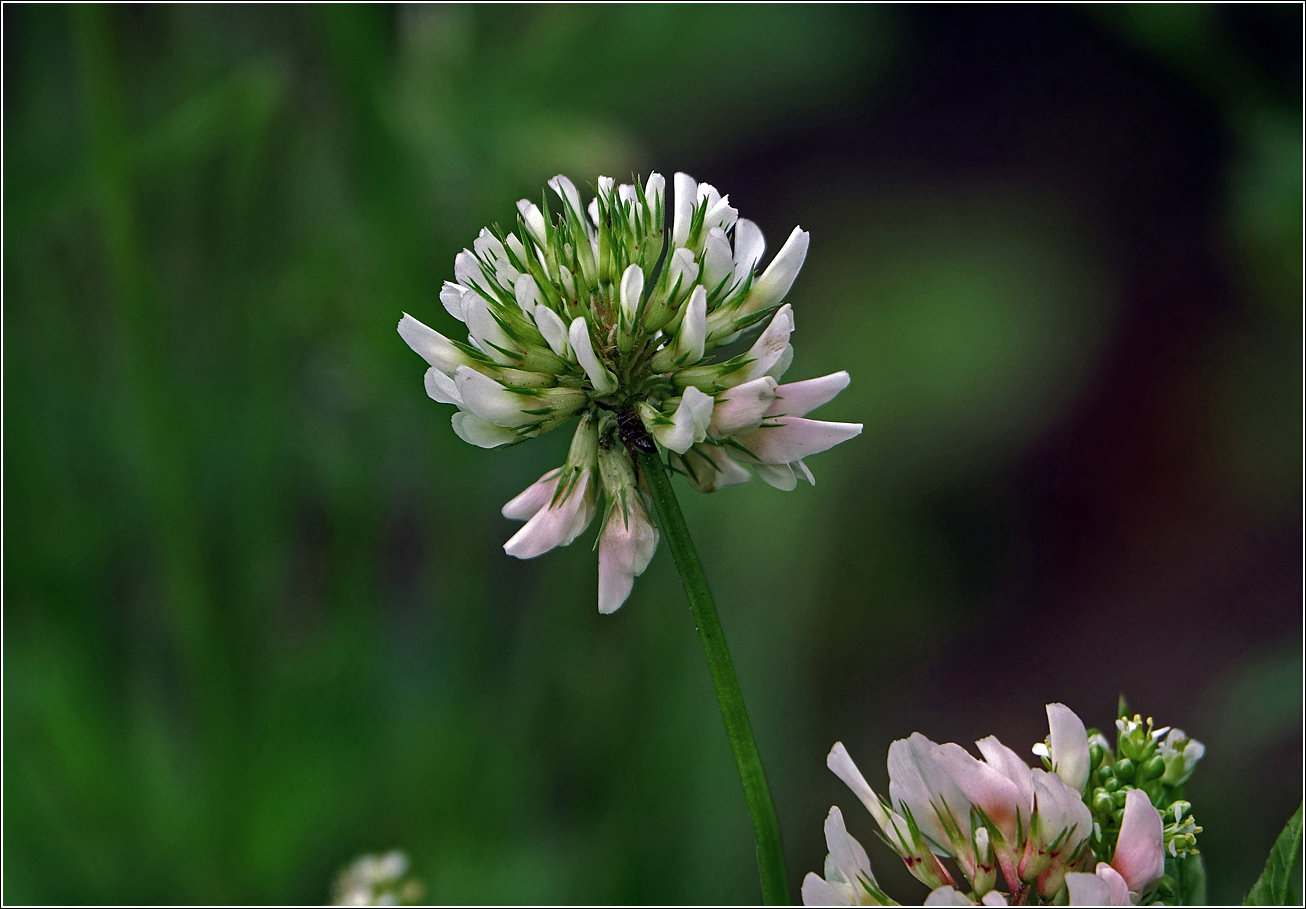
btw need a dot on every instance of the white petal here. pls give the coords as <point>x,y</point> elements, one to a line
<point>682,270</point>
<point>1087,889</point>
<point>442,389</point>
<point>709,468</point>
<point>770,346</point>
<point>632,288</point>
<point>1069,741</point>
<point>492,402</point>
<point>467,270</point>
<point>846,853</point>
<point>686,189</point>
<point>554,330</point>
<point>688,425</point>
<point>579,334</point>
<point>985,787</point>
<point>451,295</point>
<point>797,399</point>
<point>525,504</point>
<point>947,896</point>
<point>593,209</point>
<point>475,431</point>
<point>485,329</point>
<point>566,190</point>
<point>1139,856</point>
<point>718,263</point>
<point>433,347</point>
<point>655,188</point>
<point>749,247</point>
<point>487,246</point>
<point>778,476</point>
<point>555,525</point>
<point>693,329</point>
<point>534,220</point>
<point>816,892</point>
<point>625,549</point>
<point>918,780</point>
<point>842,764</point>
<point>805,471</point>
<point>779,276</point>
<point>782,440</point>
<point>741,408</point>
<point>527,293</point>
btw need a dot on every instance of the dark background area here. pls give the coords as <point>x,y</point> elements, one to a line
<point>257,619</point>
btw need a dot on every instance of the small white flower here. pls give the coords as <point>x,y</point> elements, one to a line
<point>848,879</point>
<point>610,311</point>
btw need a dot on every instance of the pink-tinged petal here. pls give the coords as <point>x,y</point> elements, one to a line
<point>985,787</point>
<point>1060,808</point>
<point>782,440</point>
<point>475,431</point>
<point>1069,742</point>
<point>779,276</point>
<point>556,525</point>
<point>1087,889</point>
<point>432,346</point>
<point>742,407</point>
<point>525,504</point>
<point>846,853</point>
<point>1140,853</point>
<point>1117,886</point>
<point>918,780</point>
<point>440,388</point>
<point>625,549</point>
<point>1008,763</point>
<point>686,190</point>
<point>816,892</point>
<point>798,399</point>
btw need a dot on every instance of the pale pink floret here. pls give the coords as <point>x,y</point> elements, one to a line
<point>1140,850</point>
<point>556,524</point>
<point>1069,745</point>
<point>626,547</point>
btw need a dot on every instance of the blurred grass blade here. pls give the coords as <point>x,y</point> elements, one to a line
<point>1282,869</point>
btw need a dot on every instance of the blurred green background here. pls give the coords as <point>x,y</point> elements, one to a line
<point>257,619</point>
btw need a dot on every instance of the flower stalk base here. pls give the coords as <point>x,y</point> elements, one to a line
<point>761,809</point>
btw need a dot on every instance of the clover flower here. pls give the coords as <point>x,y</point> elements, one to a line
<point>989,815</point>
<point>607,313</point>
<point>376,880</point>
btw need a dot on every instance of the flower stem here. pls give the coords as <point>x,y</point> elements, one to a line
<point>761,809</point>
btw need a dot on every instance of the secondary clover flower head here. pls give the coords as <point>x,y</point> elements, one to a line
<point>848,878</point>
<point>376,880</point>
<point>1093,827</point>
<point>988,815</point>
<point>609,312</point>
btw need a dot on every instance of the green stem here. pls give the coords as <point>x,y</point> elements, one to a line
<point>761,809</point>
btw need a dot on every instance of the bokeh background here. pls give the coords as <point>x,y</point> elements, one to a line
<point>257,619</point>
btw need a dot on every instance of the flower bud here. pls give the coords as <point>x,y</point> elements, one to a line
<point>1124,770</point>
<point>1152,768</point>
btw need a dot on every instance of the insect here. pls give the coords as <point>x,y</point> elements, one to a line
<point>633,434</point>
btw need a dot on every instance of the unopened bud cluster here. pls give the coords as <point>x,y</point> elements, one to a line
<point>610,311</point>
<point>1094,826</point>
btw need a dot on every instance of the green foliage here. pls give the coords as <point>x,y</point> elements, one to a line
<point>1280,884</point>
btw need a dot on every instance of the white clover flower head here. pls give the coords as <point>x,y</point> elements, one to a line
<point>606,312</point>
<point>376,880</point>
